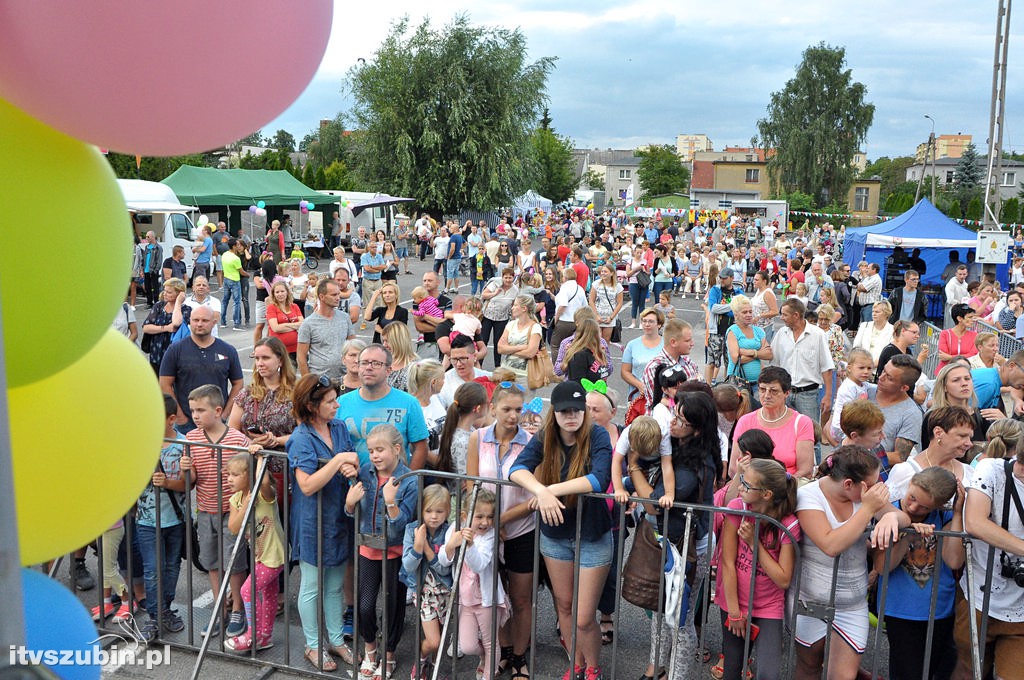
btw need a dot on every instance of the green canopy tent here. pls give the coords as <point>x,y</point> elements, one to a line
<point>213,189</point>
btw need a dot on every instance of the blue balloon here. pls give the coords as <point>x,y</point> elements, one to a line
<point>261,204</point>
<point>310,206</point>
<point>55,623</point>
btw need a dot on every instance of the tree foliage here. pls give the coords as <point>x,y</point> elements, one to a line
<point>328,143</point>
<point>797,200</point>
<point>268,160</point>
<point>892,172</point>
<point>337,177</point>
<point>446,115</point>
<point>555,164</point>
<point>283,141</point>
<point>815,124</point>
<point>593,180</point>
<point>253,139</point>
<point>1010,213</point>
<point>661,171</point>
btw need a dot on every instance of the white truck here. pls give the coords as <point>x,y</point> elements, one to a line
<point>154,207</point>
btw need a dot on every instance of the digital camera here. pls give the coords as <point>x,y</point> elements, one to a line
<point>1012,569</point>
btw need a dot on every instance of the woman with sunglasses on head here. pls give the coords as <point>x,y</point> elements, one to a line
<point>571,456</point>
<point>792,432</point>
<point>319,436</point>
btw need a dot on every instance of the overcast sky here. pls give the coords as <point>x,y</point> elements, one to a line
<point>634,72</point>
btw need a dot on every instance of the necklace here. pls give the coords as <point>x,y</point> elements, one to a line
<point>945,466</point>
<point>785,412</point>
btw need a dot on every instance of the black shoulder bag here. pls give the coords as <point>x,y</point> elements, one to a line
<point>181,518</point>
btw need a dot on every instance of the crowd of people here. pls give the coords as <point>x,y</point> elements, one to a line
<point>812,409</point>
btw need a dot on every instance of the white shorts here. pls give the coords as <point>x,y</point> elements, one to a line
<point>261,311</point>
<point>850,624</point>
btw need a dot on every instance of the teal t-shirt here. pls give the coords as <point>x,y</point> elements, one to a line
<point>986,386</point>
<point>401,409</point>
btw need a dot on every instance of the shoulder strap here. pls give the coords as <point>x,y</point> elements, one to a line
<point>170,495</point>
<point>1010,492</point>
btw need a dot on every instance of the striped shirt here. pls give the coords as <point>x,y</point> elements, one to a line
<point>205,472</point>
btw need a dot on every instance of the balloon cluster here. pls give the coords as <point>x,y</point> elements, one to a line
<point>259,209</point>
<point>344,203</point>
<point>306,206</point>
<point>67,373</point>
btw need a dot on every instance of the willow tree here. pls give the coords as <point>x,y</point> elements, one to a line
<point>815,125</point>
<point>445,116</point>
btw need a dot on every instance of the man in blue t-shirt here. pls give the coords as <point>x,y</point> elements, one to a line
<point>451,282</point>
<point>989,381</point>
<point>376,403</point>
<point>203,253</point>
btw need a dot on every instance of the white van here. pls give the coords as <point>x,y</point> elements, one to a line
<point>154,207</point>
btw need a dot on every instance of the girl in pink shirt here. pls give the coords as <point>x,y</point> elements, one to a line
<point>766,488</point>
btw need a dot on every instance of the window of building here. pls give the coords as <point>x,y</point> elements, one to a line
<point>949,176</point>
<point>1009,179</point>
<point>860,199</point>
<point>753,175</point>
<point>625,174</point>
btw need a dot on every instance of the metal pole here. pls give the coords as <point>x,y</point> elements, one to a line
<point>995,124</point>
<point>12,626</point>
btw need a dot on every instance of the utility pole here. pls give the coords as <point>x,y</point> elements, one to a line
<point>994,170</point>
<point>929,149</point>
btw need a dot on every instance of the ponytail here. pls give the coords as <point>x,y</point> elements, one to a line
<point>467,397</point>
<point>851,462</point>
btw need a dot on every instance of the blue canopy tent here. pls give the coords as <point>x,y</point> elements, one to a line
<point>924,227</point>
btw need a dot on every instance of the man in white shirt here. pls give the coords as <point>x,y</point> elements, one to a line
<point>201,298</point>
<point>815,280</point>
<point>956,292</point>
<point>869,290</point>
<point>463,358</point>
<point>423,234</point>
<point>571,296</point>
<point>801,349</point>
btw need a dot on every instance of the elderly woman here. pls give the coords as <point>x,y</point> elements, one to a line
<point>791,432</point>
<point>640,351</point>
<point>747,344</point>
<point>350,358</point>
<point>522,337</point>
<point>165,317</point>
<point>988,352</point>
<point>874,335</point>
<point>833,335</point>
<point>958,340</point>
<point>398,341</point>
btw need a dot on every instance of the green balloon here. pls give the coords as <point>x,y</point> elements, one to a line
<point>52,316</point>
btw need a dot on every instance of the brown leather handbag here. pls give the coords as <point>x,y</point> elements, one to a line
<point>643,571</point>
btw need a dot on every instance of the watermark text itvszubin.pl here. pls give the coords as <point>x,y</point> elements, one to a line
<point>130,655</point>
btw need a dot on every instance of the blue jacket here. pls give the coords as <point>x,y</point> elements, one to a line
<point>371,510</point>
<point>411,560</point>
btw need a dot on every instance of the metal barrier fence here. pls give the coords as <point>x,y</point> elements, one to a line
<point>623,661</point>
<point>1008,343</point>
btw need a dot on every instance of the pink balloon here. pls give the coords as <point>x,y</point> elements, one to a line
<point>97,78</point>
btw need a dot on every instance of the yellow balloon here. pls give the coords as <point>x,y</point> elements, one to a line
<point>86,441</point>
<point>63,280</point>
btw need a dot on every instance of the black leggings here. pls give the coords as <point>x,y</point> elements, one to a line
<point>498,328</point>
<point>769,650</point>
<point>909,637</point>
<point>370,573</point>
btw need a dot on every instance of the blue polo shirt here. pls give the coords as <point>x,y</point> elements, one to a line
<point>986,386</point>
<point>373,259</point>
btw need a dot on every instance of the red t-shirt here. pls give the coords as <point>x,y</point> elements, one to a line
<point>563,252</point>
<point>582,274</point>
<point>289,338</point>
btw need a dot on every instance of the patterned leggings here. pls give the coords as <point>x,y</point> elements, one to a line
<point>266,600</point>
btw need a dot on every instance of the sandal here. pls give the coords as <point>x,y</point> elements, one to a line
<point>702,655</point>
<point>504,660</point>
<point>320,659</point>
<point>342,651</point>
<point>607,634</point>
<point>520,667</point>
<point>661,676</point>
<point>368,668</point>
<point>389,669</point>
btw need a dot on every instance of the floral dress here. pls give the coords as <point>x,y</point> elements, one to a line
<point>158,316</point>
<point>267,415</point>
<point>836,345</point>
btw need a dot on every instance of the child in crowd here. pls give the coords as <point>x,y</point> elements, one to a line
<point>477,579</point>
<point>212,496</point>
<point>752,445</point>
<point>643,436</point>
<point>854,386</point>
<point>467,322</point>
<point>110,541</point>
<point>766,488</point>
<point>1004,438</point>
<point>425,304</point>
<point>269,550</point>
<point>908,589</point>
<point>467,412</point>
<point>666,382</point>
<point>422,546</point>
<point>385,510</point>
<point>167,488</point>
<point>532,415</point>
<point>665,305</point>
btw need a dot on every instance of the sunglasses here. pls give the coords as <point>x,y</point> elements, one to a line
<point>323,382</point>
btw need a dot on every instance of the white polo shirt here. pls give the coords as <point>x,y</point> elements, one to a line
<point>805,358</point>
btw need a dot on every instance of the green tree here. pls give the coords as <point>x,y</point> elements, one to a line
<point>283,141</point>
<point>797,200</point>
<point>973,211</point>
<point>593,180</point>
<point>556,168</point>
<point>661,171</point>
<point>446,116</point>
<point>338,178</point>
<point>329,142</point>
<point>967,178</point>
<point>319,179</point>
<point>1010,214</point>
<point>892,172</point>
<point>308,174</point>
<point>253,139</point>
<point>815,124</point>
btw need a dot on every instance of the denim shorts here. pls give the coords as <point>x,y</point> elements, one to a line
<point>593,554</point>
<point>401,253</point>
<point>452,268</point>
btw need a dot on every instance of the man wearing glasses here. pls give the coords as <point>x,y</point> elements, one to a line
<point>463,358</point>
<point>376,403</point>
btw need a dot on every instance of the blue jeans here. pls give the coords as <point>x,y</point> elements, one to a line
<point>637,298</point>
<point>232,289</point>
<point>808,404</point>
<point>660,286</point>
<point>476,286</point>
<point>172,539</point>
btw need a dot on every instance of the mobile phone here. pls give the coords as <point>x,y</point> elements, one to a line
<point>754,630</point>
